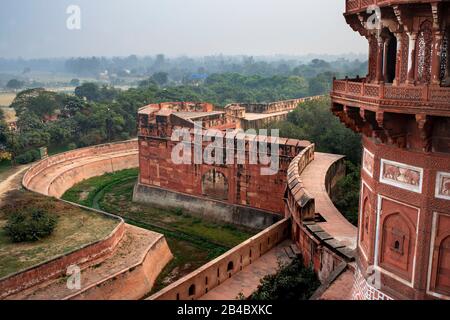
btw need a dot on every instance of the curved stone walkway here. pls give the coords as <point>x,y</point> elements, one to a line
<point>313,178</point>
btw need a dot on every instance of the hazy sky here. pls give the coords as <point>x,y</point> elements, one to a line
<point>37,28</point>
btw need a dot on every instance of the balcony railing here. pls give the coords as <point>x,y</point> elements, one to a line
<point>413,95</point>
<point>359,5</point>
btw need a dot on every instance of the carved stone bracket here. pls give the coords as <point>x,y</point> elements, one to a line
<point>424,126</point>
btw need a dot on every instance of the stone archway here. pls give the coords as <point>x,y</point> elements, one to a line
<point>443,277</point>
<point>215,185</point>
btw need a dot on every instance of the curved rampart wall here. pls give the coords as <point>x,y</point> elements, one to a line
<point>134,281</point>
<point>319,249</point>
<point>55,175</point>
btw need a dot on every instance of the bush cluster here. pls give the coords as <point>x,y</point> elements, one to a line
<point>29,225</point>
<point>28,157</point>
<point>292,282</point>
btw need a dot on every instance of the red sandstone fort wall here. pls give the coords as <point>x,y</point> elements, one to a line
<point>134,281</point>
<point>217,271</point>
<point>245,184</point>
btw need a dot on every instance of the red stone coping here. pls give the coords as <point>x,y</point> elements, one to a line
<point>301,205</point>
<point>83,257</point>
<point>216,272</point>
<point>76,154</point>
<point>155,107</point>
<point>299,201</point>
<point>289,104</point>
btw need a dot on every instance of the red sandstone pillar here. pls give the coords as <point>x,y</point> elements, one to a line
<point>436,58</point>
<point>380,53</point>
<point>398,68</point>
<point>386,43</point>
<point>412,57</point>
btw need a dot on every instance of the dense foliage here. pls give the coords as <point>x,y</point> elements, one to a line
<point>291,283</point>
<point>314,121</point>
<point>346,193</point>
<point>29,225</point>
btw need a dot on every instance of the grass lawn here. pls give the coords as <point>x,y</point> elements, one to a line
<point>193,241</point>
<point>75,227</point>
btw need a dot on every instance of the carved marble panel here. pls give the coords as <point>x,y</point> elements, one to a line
<point>443,185</point>
<point>401,175</point>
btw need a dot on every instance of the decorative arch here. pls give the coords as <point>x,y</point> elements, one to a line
<point>443,271</point>
<point>215,185</point>
<point>423,52</point>
<point>397,245</point>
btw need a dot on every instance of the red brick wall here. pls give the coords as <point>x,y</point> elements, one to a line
<point>213,273</point>
<point>246,185</point>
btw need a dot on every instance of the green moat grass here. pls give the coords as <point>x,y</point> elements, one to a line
<point>193,241</point>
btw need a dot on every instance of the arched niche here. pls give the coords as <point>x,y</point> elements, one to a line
<point>215,185</point>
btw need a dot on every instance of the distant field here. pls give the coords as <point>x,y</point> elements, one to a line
<point>6,98</point>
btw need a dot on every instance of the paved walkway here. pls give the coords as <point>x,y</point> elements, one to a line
<point>313,178</point>
<point>341,288</point>
<point>248,280</point>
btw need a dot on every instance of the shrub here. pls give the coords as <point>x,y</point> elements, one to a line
<point>29,226</point>
<point>292,282</point>
<point>28,156</point>
<point>71,146</point>
<point>178,211</point>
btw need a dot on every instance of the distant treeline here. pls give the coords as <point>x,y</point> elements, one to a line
<point>187,69</point>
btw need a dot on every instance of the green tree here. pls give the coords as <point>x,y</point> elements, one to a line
<point>160,78</point>
<point>314,121</point>
<point>14,84</point>
<point>346,193</point>
<point>75,82</point>
<point>89,91</point>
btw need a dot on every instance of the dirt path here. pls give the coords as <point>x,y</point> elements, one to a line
<point>11,179</point>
